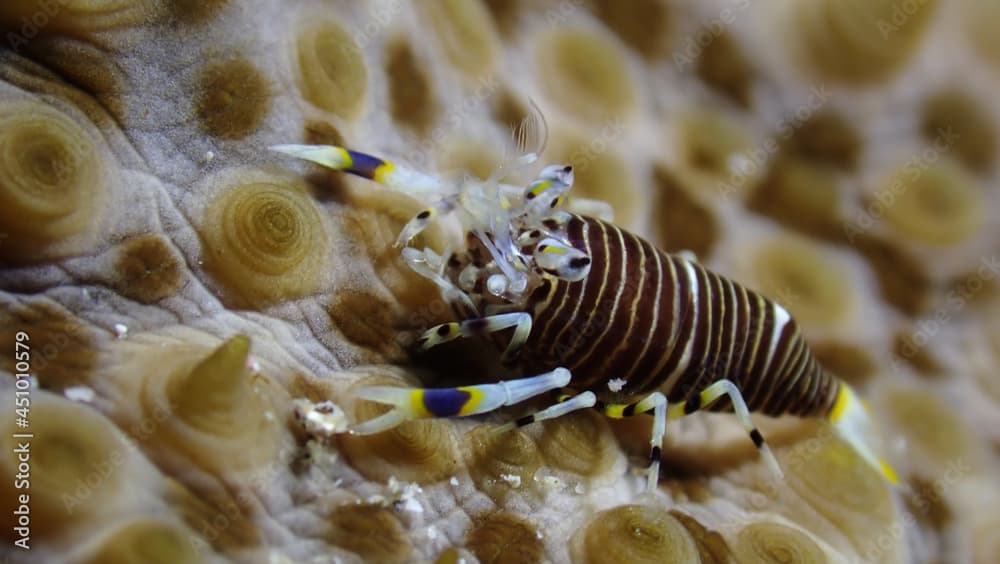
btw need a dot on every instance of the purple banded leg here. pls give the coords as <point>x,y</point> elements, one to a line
<point>421,403</point>
<point>384,172</point>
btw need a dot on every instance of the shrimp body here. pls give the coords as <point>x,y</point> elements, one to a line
<point>664,323</point>
<point>599,314</point>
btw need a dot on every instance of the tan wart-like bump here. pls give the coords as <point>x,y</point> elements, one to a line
<point>801,195</point>
<point>643,25</point>
<point>683,223</point>
<point>504,537</point>
<point>585,73</point>
<point>368,319</point>
<point>264,239</point>
<point>579,442</point>
<point>53,180</point>
<point>98,81</point>
<point>233,98</point>
<point>465,30</point>
<point>724,66</point>
<point>961,118</point>
<point>373,532</point>
<point>916,352</point>
<point>502,462</point>
<point>63,348</point>
<point>826,138</point>
<point>80,17</point>
<point>849,361</point>
<point>986,542</point>
<point>934,431</point>
<point>332,67</point>
<point>209,406</point>
<point>147,541</point>
<point>833,478</point>
<point>711,141</point>
<point>805,279</point>
<point>601,173</point>
<point>412,100</point>
<point>979,19</point>
<point>712,547</point>
<point>148,269</point>
<point>78,464</point>
<point>904,282</point>
<point>375,218</point>
<point>633,533</point>
<point>768,542</point>
<point>196,11</point>
<point>506,14</point>
<point>941,206</point>
<point>473,156</point>
<point>858,41</point>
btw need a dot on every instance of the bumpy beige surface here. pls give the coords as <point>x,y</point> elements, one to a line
<point>192,299</point>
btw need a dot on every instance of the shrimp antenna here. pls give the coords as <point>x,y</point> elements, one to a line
<point>531,135</point>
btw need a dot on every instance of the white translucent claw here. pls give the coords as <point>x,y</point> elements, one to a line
<point>326,155</point>
<point>379,424</point>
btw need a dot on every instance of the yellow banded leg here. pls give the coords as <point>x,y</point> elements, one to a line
<point>727,388</point>
<point>580,401</point>
<point>384,172</point>
<point>655,402</point>
<point>520,321</point>
<point>420,403</point>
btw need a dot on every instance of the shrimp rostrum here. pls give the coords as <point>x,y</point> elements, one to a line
<point>598,316</point>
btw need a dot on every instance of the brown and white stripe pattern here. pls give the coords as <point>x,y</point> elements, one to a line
<point>661,322</point>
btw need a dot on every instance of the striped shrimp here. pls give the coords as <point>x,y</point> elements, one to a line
<point>599,315</point>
